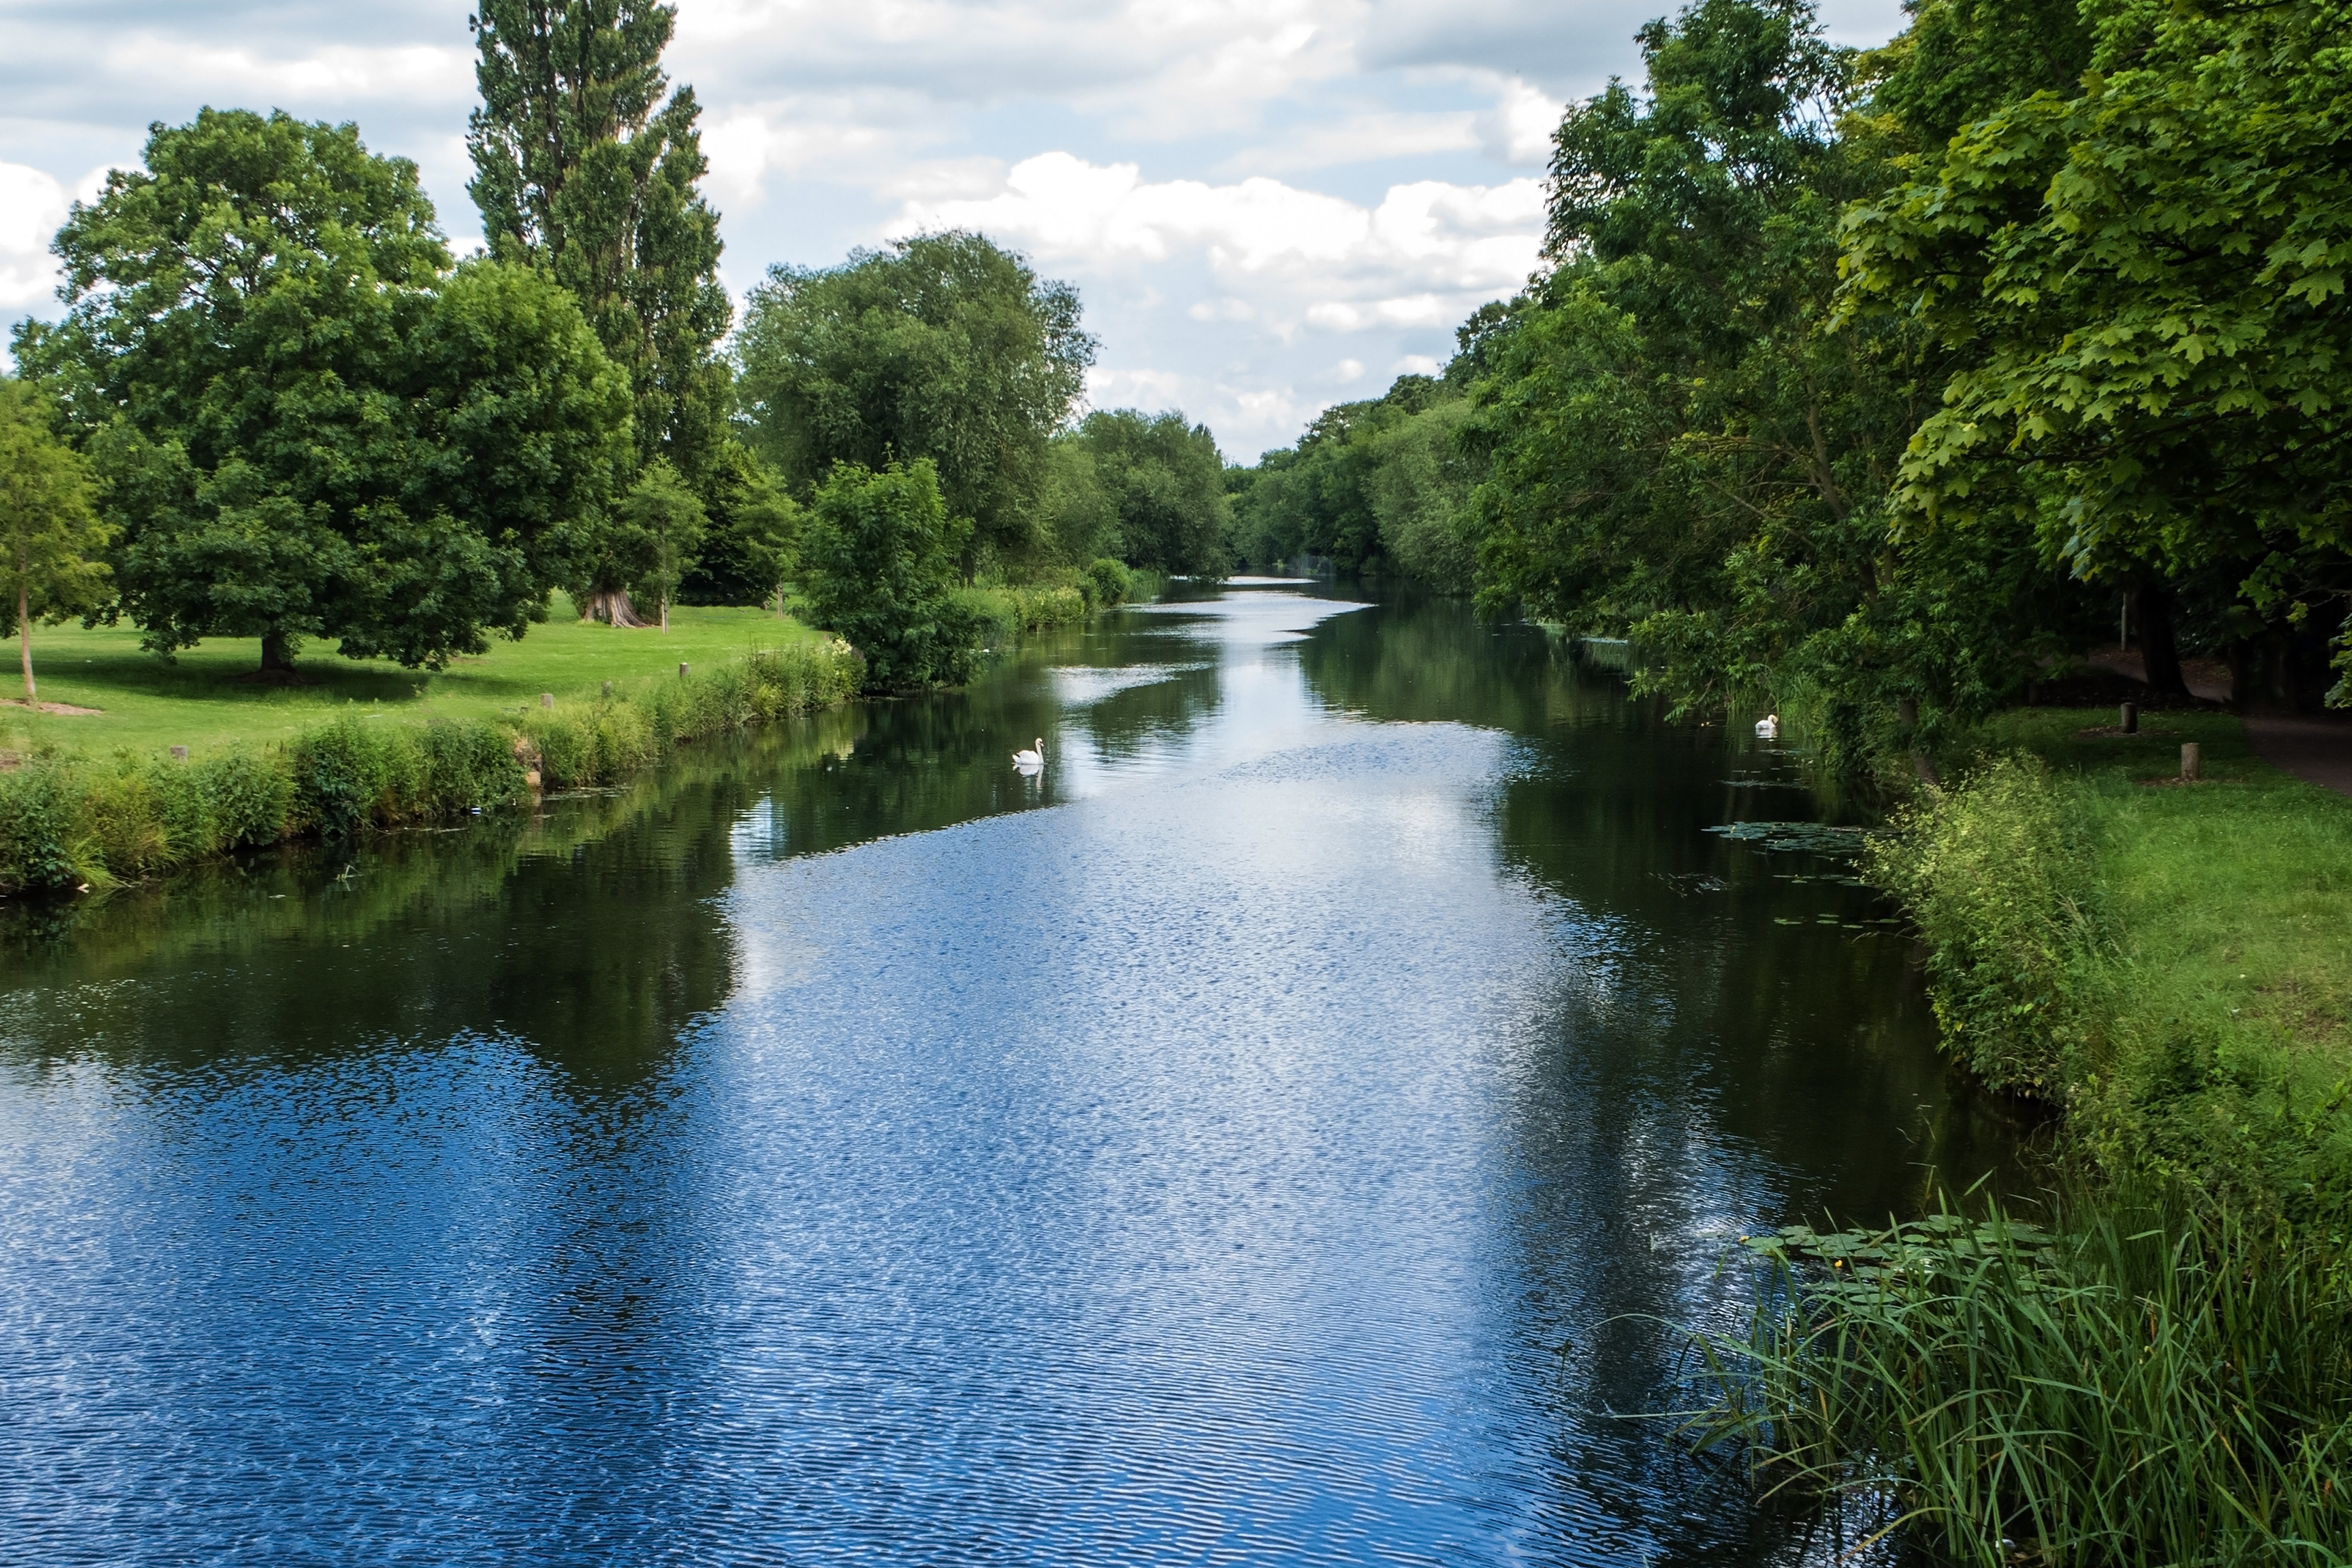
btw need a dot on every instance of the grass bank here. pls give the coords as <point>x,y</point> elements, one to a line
<point>202,701</point>
<point>2163,1374</point>
<point>71,820</point>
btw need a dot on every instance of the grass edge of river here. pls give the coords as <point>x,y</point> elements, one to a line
<point>2159,1371</point>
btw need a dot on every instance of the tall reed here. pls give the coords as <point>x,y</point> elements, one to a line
<point>2151,1383</point>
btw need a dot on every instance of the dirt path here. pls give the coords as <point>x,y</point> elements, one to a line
<point>2316,748</point>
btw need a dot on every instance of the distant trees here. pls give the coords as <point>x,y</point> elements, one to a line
<point>942,348</point>
<point>1379,485</point>
<point>879,563</point>
<point>1147,487</point>
<point>50,536</point>
<point>585,168</point>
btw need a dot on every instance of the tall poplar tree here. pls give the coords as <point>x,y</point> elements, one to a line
<point>582,166</point>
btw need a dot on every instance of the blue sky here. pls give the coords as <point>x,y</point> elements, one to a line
<point>1268,205</point>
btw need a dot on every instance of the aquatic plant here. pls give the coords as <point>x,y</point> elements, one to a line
<point>2149,1383</point>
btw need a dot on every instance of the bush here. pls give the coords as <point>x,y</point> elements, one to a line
<point>1996,873</point>
<point>879,567</point>
<point>1109,583</point>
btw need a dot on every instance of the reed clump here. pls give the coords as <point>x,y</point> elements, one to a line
<point>2149,1381</point>
<point>67,821</point>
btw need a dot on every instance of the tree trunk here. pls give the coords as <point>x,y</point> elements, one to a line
<point>25,635</point>
<point>665,613</point>
<point>612,606</point>
<point>277,652</point>
<point>2152,609</point>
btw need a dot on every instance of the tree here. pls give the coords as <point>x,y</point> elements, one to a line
<point>50,536</point>
<point>943,348</point>
<point>668,521</point>
<point>751,543</point>
<point>879,556</point>
<point>2144,282</point>
<point>1164,483</point>
<point>582,167</point>
<point>308,423</point>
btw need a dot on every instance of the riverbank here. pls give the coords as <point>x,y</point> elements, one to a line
<point>2170,963</point>
<point>205,700</point>
<point>71,820</point>
<point>2158,1372</point>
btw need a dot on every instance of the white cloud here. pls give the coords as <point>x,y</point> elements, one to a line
<point>32,205</point>
<point>1242,189</point>
<point>1449,238</point>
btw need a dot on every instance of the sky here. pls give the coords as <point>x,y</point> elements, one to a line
<point>1267,205</point>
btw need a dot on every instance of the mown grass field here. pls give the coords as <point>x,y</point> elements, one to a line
<point>2228,904</point>
<point>201,701</point>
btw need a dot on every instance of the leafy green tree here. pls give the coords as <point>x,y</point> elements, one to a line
<point>1686,448</point>
<point>752,542</point>
<point>668,517</point>
<point>1418,487</point>
<point>943,348</point>
<point>879,558</point>
<point>307,423</point>
<point>583,167</point>
<point>50,537</point>
<point>1164,483</point>
<point>2144,284</point>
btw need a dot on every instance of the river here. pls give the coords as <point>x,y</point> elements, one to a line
<point>1278,1132</point>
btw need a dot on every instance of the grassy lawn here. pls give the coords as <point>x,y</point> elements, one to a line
<point>199,701</point>
<point>2231,902</point>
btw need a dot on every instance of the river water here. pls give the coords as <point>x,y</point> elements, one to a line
<point>1278,1133</point>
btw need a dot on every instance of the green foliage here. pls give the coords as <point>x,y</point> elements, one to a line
<point>2142,282</point>
<point>1996,874</point>
<point>582,168</point>
<point>67,821</point>
<point>50,536</point>
<point>942,348</point>
<point>664,524</point>
<point>2150,1383</point>
<point>879,554</point>
<point>1109,583</point>
<point>752,542</point>
<point>307,426</point>
<point>1161,485</point>
<point>1363,476</point>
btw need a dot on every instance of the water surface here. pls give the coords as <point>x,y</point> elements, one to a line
<point>1267,1136</point>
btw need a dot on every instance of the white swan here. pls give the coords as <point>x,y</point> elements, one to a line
<point>1031,761</point>
<point>1768,728</point>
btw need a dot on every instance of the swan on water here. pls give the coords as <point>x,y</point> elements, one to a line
<point>1768,727</point>
<point>1029,762</point>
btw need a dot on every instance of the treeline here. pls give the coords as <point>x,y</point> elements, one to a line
<point>279,406</point>
<point>1870,384</point>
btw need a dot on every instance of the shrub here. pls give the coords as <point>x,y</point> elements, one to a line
<point>1996,873</point>
<point>879,566</point>
<point>39,808</point>
<point>1109,583</point>
<point>250,797</point>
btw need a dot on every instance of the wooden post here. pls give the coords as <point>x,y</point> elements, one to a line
<point>2131,719</point>
<point>547,700</point>
<point>608,688</point>
<point>2190,755</point>
<point>681,672</point>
